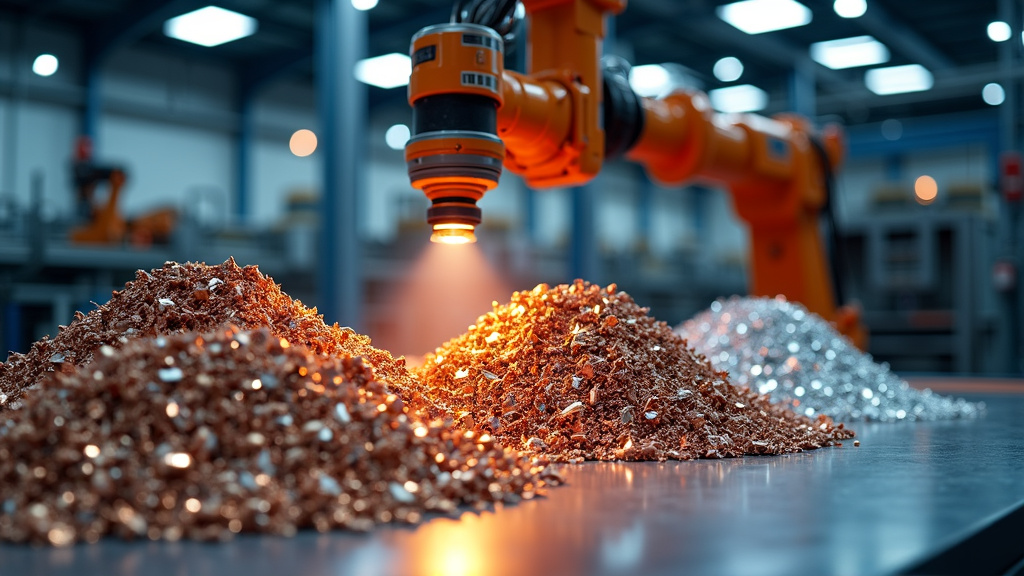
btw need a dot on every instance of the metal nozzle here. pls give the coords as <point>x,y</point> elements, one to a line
<point>453,234</point>
<point>453,219</point>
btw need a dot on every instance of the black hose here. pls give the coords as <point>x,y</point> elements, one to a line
<point>499,15</point>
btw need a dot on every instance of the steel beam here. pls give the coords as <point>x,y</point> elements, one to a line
<point>133,24</point>
<point>880,24</point>
<point>340,42</point>
<point>710,30</point>
<point>866,140</point>
<point>139,19</point>
<point>953,83</point>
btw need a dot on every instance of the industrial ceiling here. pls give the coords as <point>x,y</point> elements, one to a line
<point>948,37</point>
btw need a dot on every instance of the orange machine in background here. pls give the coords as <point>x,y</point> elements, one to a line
<point>105,223</point>
<point>556,126</point>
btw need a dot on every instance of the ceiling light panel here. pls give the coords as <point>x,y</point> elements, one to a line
<point>741,98</point>
<point>728,69</point>
<point>850,52</point>
<point>899,79</point>
<point>387,71</point>
<point>999,31</point>
<point>760,16</point>
<point>850,8</point>
<point>210,26</point>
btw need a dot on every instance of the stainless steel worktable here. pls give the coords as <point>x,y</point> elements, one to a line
<point>909,492</point>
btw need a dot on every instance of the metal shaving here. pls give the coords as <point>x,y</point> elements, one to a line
<point>206,436</point>
<point>190,297</point>
<point>580,372</point>
<point>779,348</point>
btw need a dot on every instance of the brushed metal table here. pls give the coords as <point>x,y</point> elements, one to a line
<point>907,500</point>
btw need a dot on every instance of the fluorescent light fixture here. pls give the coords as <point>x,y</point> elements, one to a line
<point>397,136</point>
<point>759,16</point>
<point>728,69</point>
<point>899,79</point>
<point>364,4</point>
<point>993,94</point>
<point>742,98</point>
<point>387,71</point>
<point>850,8</point>
<point>210,26</point>
<point>650,80</point>
<point>45,65</point>
<point>999,31</point>
<point>850,52</point>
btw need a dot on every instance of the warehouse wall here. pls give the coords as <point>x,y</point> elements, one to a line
<point>966,164</point>
<point>172,122</point>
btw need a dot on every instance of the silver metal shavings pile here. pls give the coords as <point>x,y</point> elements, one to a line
<point>779,348</point>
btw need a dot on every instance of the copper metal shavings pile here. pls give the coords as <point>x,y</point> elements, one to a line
<point>202,437</point>
<point>779,348</point>
<point>190,298</point>
<point>581,372</point>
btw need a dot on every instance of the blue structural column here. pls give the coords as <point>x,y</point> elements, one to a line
<point>10,338</point>
<point>93,102</point>
<point>130,24</point>
<point>1009,139</point>
<point>530,212</point>
<point>519,63</point>
<point>645,211</point>
<point>243,161</point>
<point>802,96</point>
<point>340,42</point>
<point>584,259</point>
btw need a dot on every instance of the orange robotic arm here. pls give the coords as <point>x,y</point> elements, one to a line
<point>470,116</point>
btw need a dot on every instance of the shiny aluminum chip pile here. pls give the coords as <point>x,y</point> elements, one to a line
<point>577,371</point>
<point>205,436</point>
<point>779,348</point>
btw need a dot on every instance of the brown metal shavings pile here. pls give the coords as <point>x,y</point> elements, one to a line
<point>581,372</point>
<point>191,297</point>
<point>202,437</point>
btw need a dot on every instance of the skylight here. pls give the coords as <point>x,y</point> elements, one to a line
<point>850,52</point>
<point>759,16</point>
<point>210,26</point>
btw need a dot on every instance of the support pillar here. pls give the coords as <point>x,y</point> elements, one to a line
<point>341,42</point>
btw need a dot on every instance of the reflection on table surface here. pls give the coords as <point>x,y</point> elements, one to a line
<point>907,491</point>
